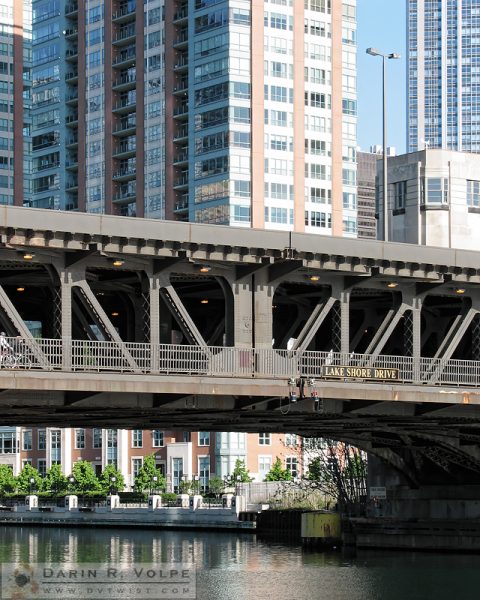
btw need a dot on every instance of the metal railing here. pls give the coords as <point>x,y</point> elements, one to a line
<point>218,361</point>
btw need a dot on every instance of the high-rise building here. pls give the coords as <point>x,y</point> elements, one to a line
<point>213,111</point>
<point>15,82</point>
<point>366,175</point>
<point>443,66</point>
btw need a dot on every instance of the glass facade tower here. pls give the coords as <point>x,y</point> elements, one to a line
<point>443,85</point>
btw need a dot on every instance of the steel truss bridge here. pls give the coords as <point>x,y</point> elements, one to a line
<point>146,323</point>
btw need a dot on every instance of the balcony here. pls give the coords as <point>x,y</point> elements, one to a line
<point>181,15</point>
<point>181,181</point>
<point>181,39</point>
<point>71,77</point>
<point>125,106</point>
<point>124,197</point>
<point>181,63</point>
<point>181,204</point>
<point>125,127</point>
<point>72,98</point>
<point>71,185</point>
<point>71,120</point>
<point>71,164</point>
<point>181,133</point>
<point>181,85</point>
<point>71,10</point>
<point>126,81</point>
<point>45,167</point>
<point>125,174</point>
<point>124,35</point>
<point>125,58</point>
<point>71,33</point>
<point>181,111</point>
<point>181,157</point>
<point>125,149</point>
<point>72,141</point>
<point>71,54</point>
<point>125,13</point>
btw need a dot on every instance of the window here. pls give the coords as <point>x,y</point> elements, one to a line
<point>400,194</point>
<point>112,447</point>
<point>27,439</point>
<point>320,195</point>
<point>242,188</point>
<point>204,438</point>
<point>177,472</point>
<point>291,439</point>
<point>8,442</point>
<point>204,471</point>
<point>137,438</point>
<point>97,438</point>
<point>291,464</point>
<point>56,445</point>
<point>136,466</point>
<point>79,439</point>
<point>264,439</point>
<point>42,467</point>
<point>435,190</point>
<point>158,440</point>
<point>264,466</point>
<point>42,439</point>
<point>473,193</point>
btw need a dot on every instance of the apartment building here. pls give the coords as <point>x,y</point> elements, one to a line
<point>213,111</point>
<point>178,454</point>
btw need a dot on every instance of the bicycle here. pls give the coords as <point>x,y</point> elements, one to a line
<point>15,360</point>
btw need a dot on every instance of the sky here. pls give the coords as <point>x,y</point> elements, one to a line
<point>381,24</point>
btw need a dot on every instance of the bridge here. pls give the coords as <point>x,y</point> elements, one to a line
<point>146,323</point>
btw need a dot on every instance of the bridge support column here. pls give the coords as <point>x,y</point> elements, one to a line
<point>263,307</point>
<point>243,313</point>
<point>345,322</point>
<point>154,307</point>
<point>66,317</point>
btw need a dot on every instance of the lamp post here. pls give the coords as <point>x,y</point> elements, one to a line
<point>32,483</point>
<point>113,479</point>
<point>154,484</point>
<point>391,55</point>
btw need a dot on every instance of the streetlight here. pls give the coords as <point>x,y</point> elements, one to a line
<point>113,479</point>
<point>391,55</point>
<point>154,484</point>
<point>32,483</point>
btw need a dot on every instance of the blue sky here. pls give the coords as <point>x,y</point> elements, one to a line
<point>381,24</point>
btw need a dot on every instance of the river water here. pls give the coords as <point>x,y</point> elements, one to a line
<point>239,566</point>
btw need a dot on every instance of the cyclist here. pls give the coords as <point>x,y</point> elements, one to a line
<point>5,347</point>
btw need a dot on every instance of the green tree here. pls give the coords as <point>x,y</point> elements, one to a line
<point>276,472</point>
<point>240,472</point>
<point>55,481</point>
<point>8,481</point>
<point>216,485</point>
<point>107,483</point>
<point>24,480</point>
<point>85,478</point>
<point>145,479</point>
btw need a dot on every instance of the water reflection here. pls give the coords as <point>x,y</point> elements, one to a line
<point>238,566</point>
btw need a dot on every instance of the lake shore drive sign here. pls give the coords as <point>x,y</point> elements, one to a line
<point>354,372</point>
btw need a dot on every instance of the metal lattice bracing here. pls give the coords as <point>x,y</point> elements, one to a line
<point>145,316</point>
<point>408,333</point>
<point>57,313</point>
<point>476,338</point>
<point>336,327</point>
